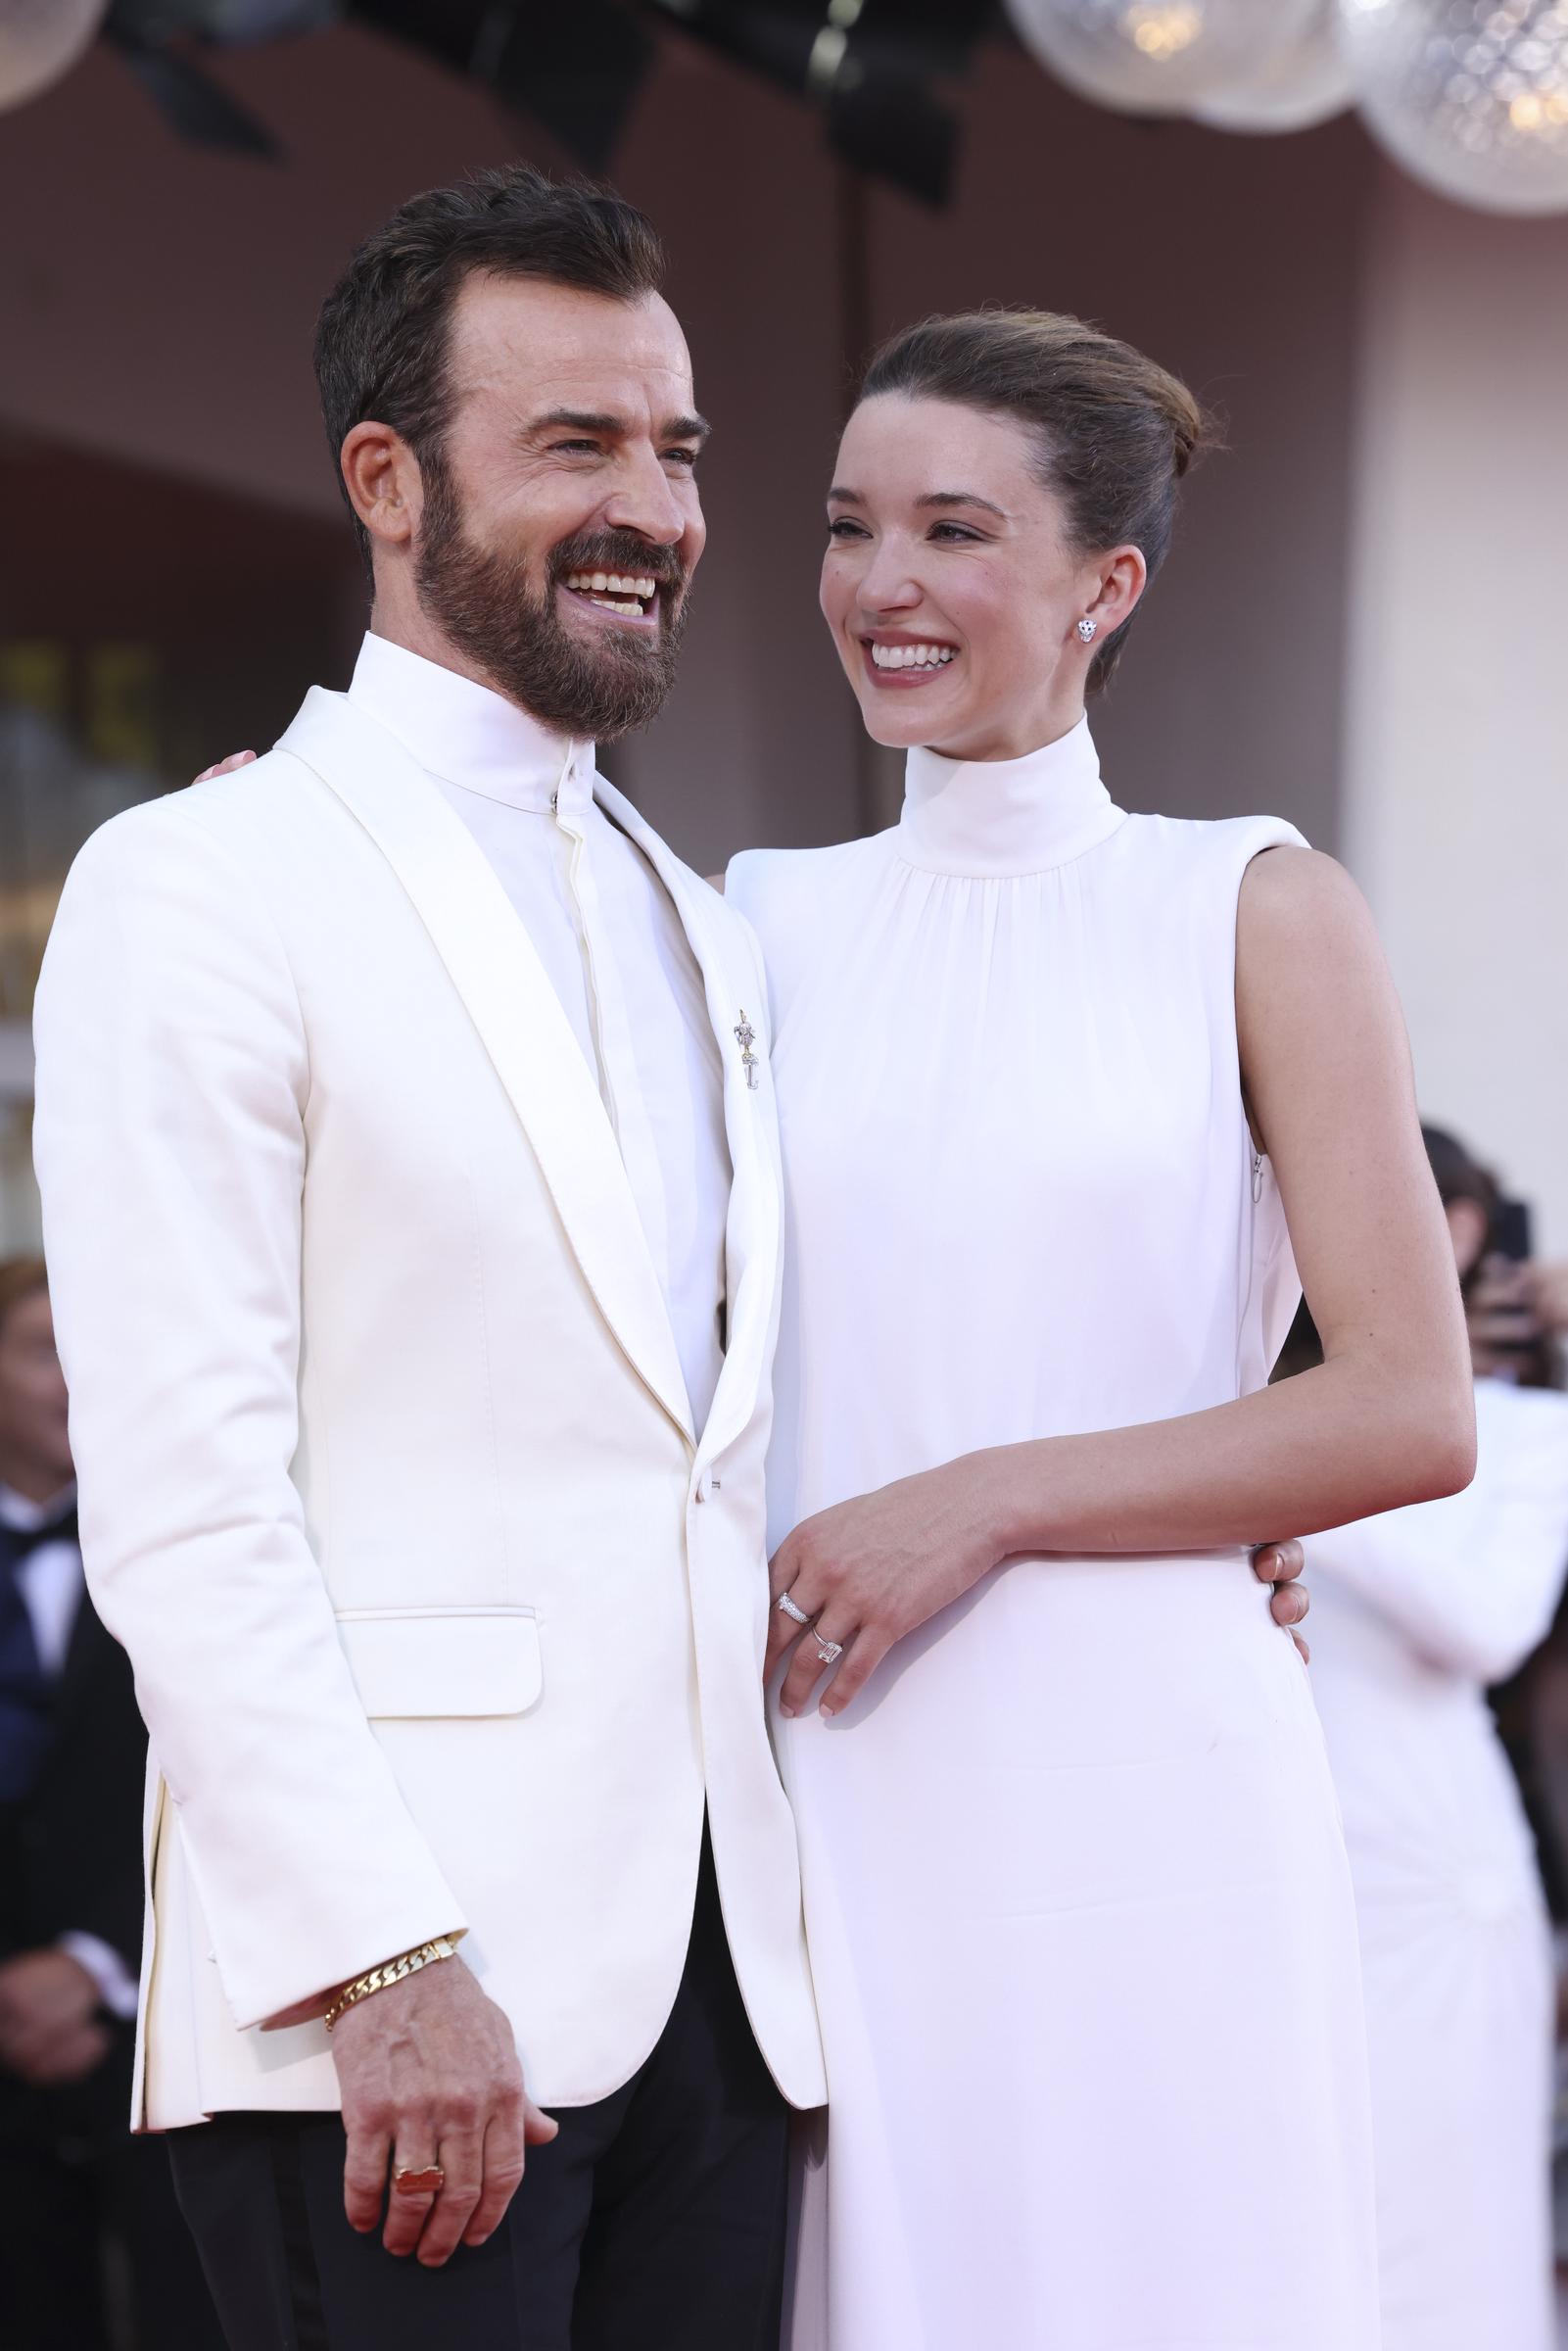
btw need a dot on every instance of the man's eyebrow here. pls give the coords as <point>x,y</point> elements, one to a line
<point>579,420</point>
<point>610,427</point>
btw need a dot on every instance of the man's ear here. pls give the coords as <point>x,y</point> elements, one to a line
<point>382,477</point>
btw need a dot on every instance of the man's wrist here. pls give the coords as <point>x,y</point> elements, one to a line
<point>391,1971</point>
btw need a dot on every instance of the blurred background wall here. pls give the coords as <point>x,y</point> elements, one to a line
<point>1361,628</point>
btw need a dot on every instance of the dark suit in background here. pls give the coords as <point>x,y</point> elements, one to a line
<point>88,2222</point>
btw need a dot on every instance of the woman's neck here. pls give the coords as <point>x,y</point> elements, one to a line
<point>1014,740</point>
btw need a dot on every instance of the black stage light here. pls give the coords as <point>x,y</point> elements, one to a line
<point>224,22</point>
<point>865,64</point>
<point>157,37</point>
<point>195,106</point>
<point>576,67</point>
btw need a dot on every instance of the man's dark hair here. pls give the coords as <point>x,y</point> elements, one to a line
<point>382,340</point>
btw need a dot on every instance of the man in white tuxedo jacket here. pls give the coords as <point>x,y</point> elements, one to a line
<point>412,1209</point>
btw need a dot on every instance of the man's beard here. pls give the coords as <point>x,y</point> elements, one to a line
<point>595,688</point>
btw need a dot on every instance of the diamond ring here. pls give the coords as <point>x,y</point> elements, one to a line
<point>790,1610</point>
<point>830,1652</point>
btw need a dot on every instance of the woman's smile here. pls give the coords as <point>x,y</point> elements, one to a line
<point>896,663</point>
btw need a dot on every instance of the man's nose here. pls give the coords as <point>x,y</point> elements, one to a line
<point>644,502</point>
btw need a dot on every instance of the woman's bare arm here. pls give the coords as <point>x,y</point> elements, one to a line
<point>1388,1416</point>
<point>1387,1419</point>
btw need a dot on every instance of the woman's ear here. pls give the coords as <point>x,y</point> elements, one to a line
<point>1122,577</point>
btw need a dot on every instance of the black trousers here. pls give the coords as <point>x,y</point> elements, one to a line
<point>653,2222</point>
<point>92,2247</point>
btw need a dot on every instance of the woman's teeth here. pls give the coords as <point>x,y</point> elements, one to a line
<point>912,656</point>
<point>613,594</point>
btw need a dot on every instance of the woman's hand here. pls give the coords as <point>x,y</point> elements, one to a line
<point>869,1571</point>
<point>226,767</point>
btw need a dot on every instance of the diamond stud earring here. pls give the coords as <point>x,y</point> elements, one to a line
<point>1088,630</point>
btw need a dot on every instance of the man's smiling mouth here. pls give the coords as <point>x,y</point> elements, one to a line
<point>629,594</point>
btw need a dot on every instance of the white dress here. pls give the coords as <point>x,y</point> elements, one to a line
<point>1077,1897</point>
<point>1413,1615</point>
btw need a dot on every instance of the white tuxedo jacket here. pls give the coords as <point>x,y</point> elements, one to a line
<point>441,1614</point>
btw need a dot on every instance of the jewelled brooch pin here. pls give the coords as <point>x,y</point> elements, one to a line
<point>747,1037</point>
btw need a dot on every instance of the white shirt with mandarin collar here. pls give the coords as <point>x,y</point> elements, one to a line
<point>52,1590</point>
<point>615,953</point>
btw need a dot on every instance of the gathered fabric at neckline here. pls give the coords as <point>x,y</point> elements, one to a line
<point>991,818</point>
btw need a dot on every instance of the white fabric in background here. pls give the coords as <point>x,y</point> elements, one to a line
<point>1412,1613</point>
<point>1076,1898</point>
<point>617,957</point>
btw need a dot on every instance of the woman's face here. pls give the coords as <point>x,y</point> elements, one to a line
<point>951,585</point>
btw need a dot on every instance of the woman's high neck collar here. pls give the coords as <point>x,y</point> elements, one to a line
<point>989,817</point>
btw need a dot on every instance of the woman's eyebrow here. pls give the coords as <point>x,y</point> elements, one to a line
<point>963,498</point>
<point>840,497</point>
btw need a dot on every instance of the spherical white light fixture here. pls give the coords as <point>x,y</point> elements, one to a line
<point>1302,84</point>
<point>1159,56</point>
<point>39,41</point>
<point>1470,96</point>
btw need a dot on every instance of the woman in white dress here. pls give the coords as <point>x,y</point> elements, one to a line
<point>1076,1895</point>
<point>1417,1612</point>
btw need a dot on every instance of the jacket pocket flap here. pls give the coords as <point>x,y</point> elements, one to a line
<point>438,1661</point>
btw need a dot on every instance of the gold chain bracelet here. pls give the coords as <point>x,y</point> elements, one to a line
<point>391,1971</point>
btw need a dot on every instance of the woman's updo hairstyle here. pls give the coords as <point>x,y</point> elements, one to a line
<point>1115,433</point>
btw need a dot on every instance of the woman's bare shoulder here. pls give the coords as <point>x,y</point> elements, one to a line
<point>1300,889</point>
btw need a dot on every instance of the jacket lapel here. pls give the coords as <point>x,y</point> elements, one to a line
<point>492,964</point>
<point>732,976</point>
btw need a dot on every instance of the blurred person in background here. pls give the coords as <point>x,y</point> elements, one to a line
<point>71,1752</point>
<point>1418,1613</point>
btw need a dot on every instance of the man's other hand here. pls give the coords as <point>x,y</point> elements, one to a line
<point>1281,1564</point>
<point>226,767</point>
<point>50,2029</point>
<point>429,2074</point>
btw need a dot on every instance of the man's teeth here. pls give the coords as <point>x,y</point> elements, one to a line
<point>609,588</point>
<point>912,656</point>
